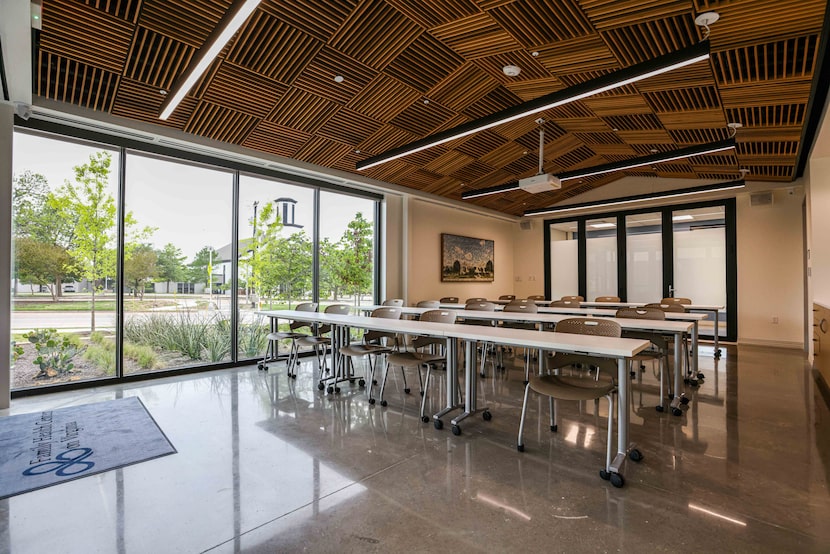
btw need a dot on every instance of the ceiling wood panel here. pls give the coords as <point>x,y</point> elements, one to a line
<point>411,69</point>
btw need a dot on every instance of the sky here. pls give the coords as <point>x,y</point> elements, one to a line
<point>188,205</point>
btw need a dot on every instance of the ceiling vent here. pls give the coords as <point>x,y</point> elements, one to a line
<point>526,225</point>
<point>761,199</point>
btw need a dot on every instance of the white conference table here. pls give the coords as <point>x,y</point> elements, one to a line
<point>708,308</point>
<point>609,347</point>
<point>687,324</point>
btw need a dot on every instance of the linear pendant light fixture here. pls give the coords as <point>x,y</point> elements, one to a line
<point>661,157</point>
<point>216,41</point>
<point>730,185</point>
<point>626,76</point>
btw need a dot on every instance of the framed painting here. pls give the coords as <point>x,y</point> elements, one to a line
<point>466,259</point>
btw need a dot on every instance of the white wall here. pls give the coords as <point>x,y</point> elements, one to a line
<point>770,270</point>
<point>425,223</point>
<point>528,260</point>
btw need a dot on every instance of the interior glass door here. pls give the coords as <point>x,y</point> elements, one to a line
<point>564,259</point>
<point>644,257</point>
<point>601,257</point>
<point>699,267</point>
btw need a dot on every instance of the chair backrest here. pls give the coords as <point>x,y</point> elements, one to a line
<point>676,301</point>
<point>679,308</point>
<point>598,327</point>
<point>507,297</point>
<point>339,309</point>
<point>393,302</point>
<point>641,313</point>
<point>475,300</point>
<point>439,316</point>
<point>536,297</point>
<point>449,300</point>
<point>303,307</point>
<point>607,299</point>
<point>564,304</point>
<point>481,306</point>
<point>388,312</point>
<point>523,307</point>
<point>574,298</point>
<point>428,304</point>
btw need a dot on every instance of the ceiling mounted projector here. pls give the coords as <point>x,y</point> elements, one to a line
<point>540,183</point>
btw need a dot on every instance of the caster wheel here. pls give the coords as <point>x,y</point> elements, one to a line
<point>371,401</point>
<point>320,386</point>
<point>686,380</point>
<point>337,390</point>
<point>456,430</point>
<point>330,390</point>
<point>676,412</point>
<point>659,409</point>
<point>482,375</point>
<point>701,376</point>
<point>633,374</point>
<point>684,400</point>
<point>617,480</point>
<point>604,475</point>
<point>635,455</point>
<point>717,353</point>
<point>520,447</point>
<point>693,382</point>
<point>260,366</point>
<point>374,381</point>
<point>438,424</point>
<point>422,393</point>
<point>294,376</point>
<point>671,396</point>
<point>425,419</point>
<point>383,403</point>
<point>407,390</point>
<point>362,382</point>
<point>351,381</point>
<point>525,383</point>
<point>554,428</point>
<point>487,415</point>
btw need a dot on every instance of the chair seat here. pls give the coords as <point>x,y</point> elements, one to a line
<point>313,340</point>
<point>409,359</point>
<point>363,349</point>
<point>282,335</point>
<point>570,388</point>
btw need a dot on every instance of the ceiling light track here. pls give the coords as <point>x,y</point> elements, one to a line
<point>235,17</point>
<point>622,77</point>
<point>717,187</point>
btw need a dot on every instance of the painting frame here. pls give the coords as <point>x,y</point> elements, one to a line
<point>467,259</point>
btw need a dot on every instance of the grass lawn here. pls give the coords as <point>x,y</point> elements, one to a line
<point>85,305</point>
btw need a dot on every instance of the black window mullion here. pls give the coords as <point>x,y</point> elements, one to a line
<point>582,257</point>
<point>668,252</point>
<point>119,263</point>
<point>235,270</point>
<point>622,259</point>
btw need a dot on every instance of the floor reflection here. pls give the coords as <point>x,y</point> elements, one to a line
<point>266,463</point>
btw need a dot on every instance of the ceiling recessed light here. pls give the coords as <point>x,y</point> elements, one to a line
<point>615,129</point>
<point>426,100</point>
<point>338,79</point>
<point>734,125</point>
<point>535,54</point>
<point>653,150</point>
<point>357,151</point>
<point>685,217</point>
<point>602,225</point>
<point>511,70</point>
<point>163,92</point>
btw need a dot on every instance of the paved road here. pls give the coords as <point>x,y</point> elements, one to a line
<point>79,321</point>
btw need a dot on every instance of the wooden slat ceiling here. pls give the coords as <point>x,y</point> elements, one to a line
<point>412,69</point>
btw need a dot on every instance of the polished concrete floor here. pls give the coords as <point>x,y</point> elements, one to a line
<point>267,464</point>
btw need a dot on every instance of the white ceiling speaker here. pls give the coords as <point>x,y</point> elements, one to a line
<point>761,199</point>
<point>23,110</point>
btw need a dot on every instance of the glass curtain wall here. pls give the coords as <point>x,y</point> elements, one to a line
<point>347,249</point>
<point>276,244</point>
<point>564,260</point>
<point>601,257</point>
<point>644,257</point>
<point>178,244</point>
<point>64,210</point>
<point>176,264</point>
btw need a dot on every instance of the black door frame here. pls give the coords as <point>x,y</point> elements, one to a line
<point>665,212</point>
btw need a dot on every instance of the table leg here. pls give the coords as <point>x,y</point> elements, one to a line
<point>694,350</point>
<point>452,382</point>
<point>470,386</point>
<point>622,416</point>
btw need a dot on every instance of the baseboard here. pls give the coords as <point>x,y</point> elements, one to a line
<point>822,386</point>
<point>792,345</point>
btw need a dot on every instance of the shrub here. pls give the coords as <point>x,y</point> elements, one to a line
<point>55,352</point>
<point>144,355</point>
<point>102,355</point>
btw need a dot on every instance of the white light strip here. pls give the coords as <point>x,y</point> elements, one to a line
<point>543,108</point>
<point>640,164</point>
<point>209,55</point>
<point>489,192</point>
<point>657,196</point>
<point>716,514</point>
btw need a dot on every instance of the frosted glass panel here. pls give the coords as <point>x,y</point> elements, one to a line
<point>564,268</point>
<point>601,262</point>
<point>644,258</point>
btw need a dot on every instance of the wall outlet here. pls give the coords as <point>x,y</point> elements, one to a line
<point>775,319</point>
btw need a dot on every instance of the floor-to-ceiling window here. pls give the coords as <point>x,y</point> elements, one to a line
<point>644,257</point>
<point>601,257</point>
<point>564,259</point>
<point>64,205</point>
<point>131,260</point>
<point>176,276</point>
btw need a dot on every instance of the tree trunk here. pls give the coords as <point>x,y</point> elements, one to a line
<point>92,312</point>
